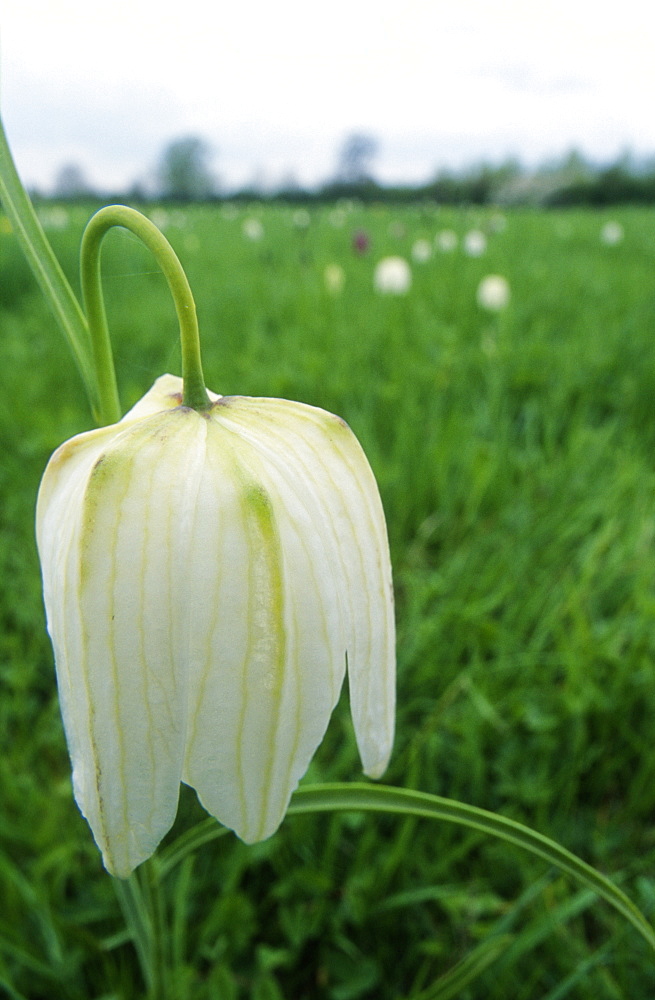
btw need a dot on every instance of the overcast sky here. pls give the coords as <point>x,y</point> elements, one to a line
<point>275,87</point>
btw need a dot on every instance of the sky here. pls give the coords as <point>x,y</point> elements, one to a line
<point>274,88</point>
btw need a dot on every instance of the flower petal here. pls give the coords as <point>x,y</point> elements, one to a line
<point>166,393</point>
<point>268,653</point>
<point>319,458</point>
<point>111,531</point>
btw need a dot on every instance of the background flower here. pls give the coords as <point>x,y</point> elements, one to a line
<point>334,277</point>
<point>612,233</point>
<point>361,241</point>
<point>493,292</point>
<point>475,243</point>
<point>446,240</point>
<point>421,251</point>
<point>392,276</point>
<point>252,228</point>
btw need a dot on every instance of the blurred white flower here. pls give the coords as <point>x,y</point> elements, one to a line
<point>493,292</point>
<point>229,211</point>
<point>612,233</point>
<point>338,217</point>
<point>475,243</point>
<point>497,223</point>
<point>301,218</point>
<point>421,251</point>
<point>252,228</point>
<point>334,277</point>
<point>488,345</point>
<point>165,219</point>
<point>160,218</point>
<point>392,276</point>
<point>446,240</point>
<point>54,217</point>
<point>208,579</point>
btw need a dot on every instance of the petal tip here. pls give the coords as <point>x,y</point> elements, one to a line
<point>377,769</point>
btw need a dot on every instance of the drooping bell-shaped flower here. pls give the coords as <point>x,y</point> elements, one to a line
<point>208,578</point>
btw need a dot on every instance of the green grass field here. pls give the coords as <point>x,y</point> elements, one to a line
<point>515,454</point>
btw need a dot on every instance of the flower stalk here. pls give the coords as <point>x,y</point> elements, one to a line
<point>195,393</point>
<point>88,335</point>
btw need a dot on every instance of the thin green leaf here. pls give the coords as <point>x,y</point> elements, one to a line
<point>465,972</point>
<point>12,994</point>
<point>187,843</point>
<point>383,798</point>
<point>45,266</point>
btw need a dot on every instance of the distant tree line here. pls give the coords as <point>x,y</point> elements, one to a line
<point>571,181</point>
<point>183,174</point>
<point>615,185</point>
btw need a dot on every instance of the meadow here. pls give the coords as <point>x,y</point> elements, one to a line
<point>514,451</point>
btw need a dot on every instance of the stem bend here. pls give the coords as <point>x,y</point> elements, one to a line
<point>195,393</point>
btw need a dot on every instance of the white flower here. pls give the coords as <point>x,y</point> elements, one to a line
<point>392,276</point>
<point>497,223</point>
<point>252,228</point>
<point>493,292</point>
<point>160,217</point>
<point>334,277</point>
<point>338,217</point>
<point>446,240</point>
<point>301,218</point>
<point>208,577</point>
<point>421,251</point>
<point>164,219</point>
<point>191,243</point>
<point>55,217</point>
<point>611,233</point>
<point>489,345</point>
<point>475,243</point>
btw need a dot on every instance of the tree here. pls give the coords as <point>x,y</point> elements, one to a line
<point>184,173</point>
<point>71,182</point>
<point>355,158</point>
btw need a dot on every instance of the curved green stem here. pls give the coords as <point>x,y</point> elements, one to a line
<point>195,393</point>
<point>46,268</point>
<point>383,798</point>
